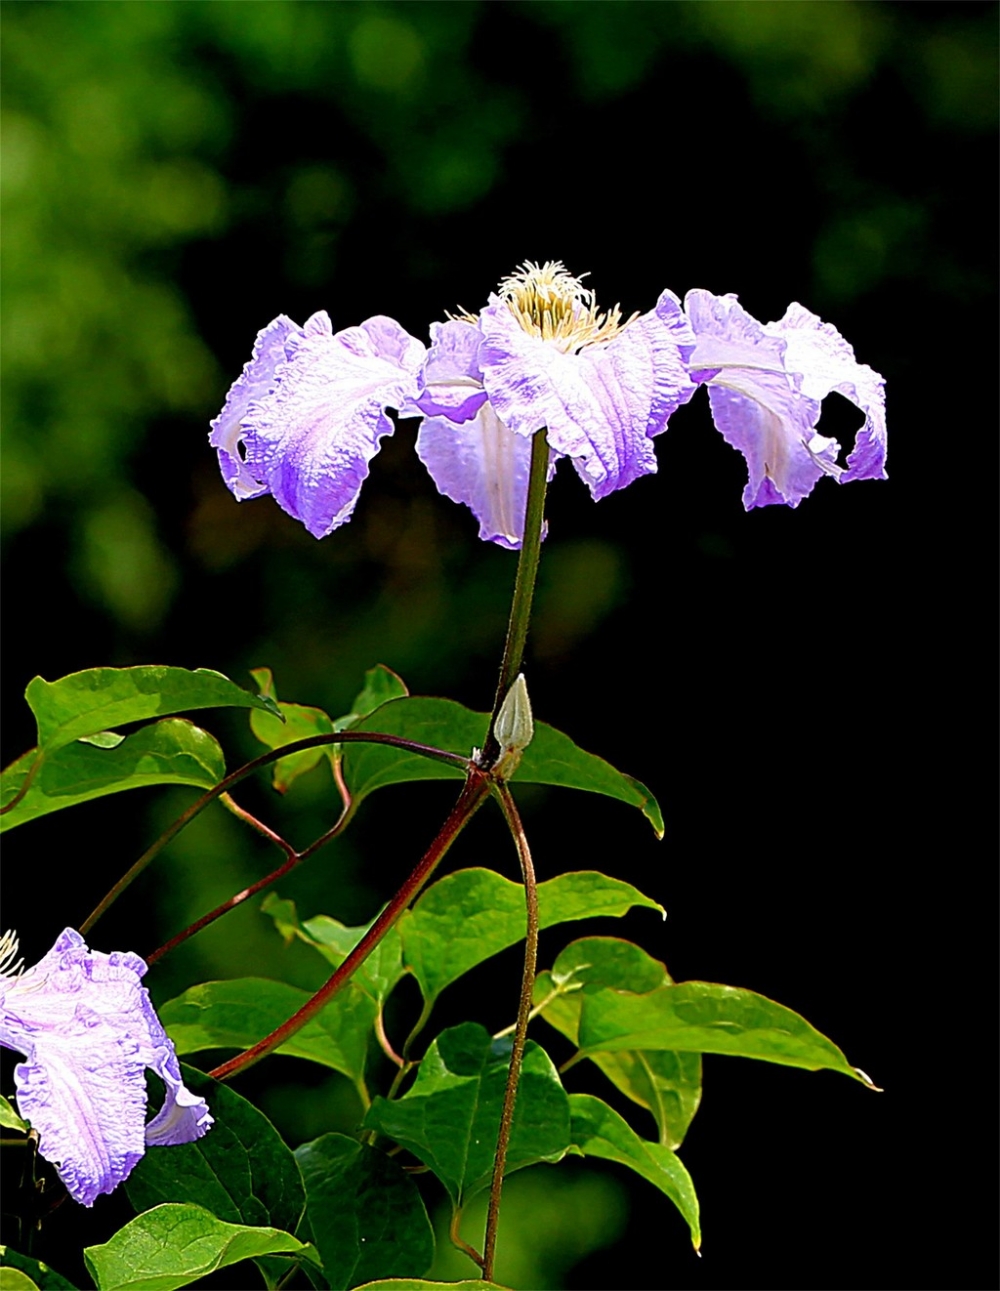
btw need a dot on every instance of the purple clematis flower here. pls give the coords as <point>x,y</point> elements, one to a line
<point>88,1031</point>
<point>541,357</point>
<point>308,413</point>
<point>766,382</point>
<point>306,416</point>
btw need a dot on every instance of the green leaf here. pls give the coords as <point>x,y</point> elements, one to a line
<point>15,1280</point>
<point>381,685</point>
<point>172,1246</point>
<point>472,914</point>
<point>598,1131</point>
<point>366,1216</point>
<point>418,1284</point>
<point>35,1273</point>
<point>9,1119</point>
<point>300,724</point>
<point>450,1117</point>
<point>173,751</point>
<point>99,699</point>
<point>242,1171</point>
<point>236,1014</point>
<point>437,722</point>
<point>551,758</point>
<point>666,1084</point>
<point>334,941</point>
<point>702,1017</point>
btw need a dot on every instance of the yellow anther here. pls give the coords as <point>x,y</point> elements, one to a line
<point>549,302</point>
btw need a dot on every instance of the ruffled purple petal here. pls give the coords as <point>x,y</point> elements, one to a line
<point>184,1116</point>
<point>88,1030</point>
<point>757,404</point>
<point>256,381</point>
<point>599,406</point>
<point>780,467</point>
<point>450,383</point>
<point>483,465</point>
<point>311,438</point>
<point>826,361</point>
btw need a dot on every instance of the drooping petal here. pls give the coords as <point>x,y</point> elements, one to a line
<point>757,404</point>
<point>826,361</point>
<point>86,1027</point>
<point>483,465</point>
<point>311,437</point>
<point>599,406</point>
<point>256,381</point>
<point>451,382</point>
<point>184,1116</point>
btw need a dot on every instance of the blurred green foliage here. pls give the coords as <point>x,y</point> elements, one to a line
<point>122,142</point>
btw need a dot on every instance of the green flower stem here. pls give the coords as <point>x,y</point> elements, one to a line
<point>516,828</point>
<point>474,792</point>
<point>524,584</point>
<point>296,746</point>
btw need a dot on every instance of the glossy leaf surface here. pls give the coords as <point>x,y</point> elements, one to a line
<point>450,1117</point>
<point>667,1084</point>
<point>334,941</point>
<point>34,1272</point>
<point>173,751</point>
<point>172,1246</point>
<point>300,722</point>
<point>243,1172</point>
<point>100,699</point>
<point>381,685</point>
<point>464,918</point>
<point>9,1119</point>
<point>703,1017</point>
<point>236,1014</point>
<point>366,1216</point>
<point>598,1131</point>
<point>552,758</point>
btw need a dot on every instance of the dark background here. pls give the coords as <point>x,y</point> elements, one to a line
<point>802,690</point>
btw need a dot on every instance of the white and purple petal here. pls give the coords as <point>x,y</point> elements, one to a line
<point>599,406</point>
<point>483,465</point>
<point>450,383</point>
<point>83,1021</point>
<point>826,361</point>
<point>311,438</point>
<point>256,381</point>
<point>757,404</point>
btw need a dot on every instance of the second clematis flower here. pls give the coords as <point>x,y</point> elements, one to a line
<point>766,383</point>
<point>88,1031</point>
<point>306,416</point>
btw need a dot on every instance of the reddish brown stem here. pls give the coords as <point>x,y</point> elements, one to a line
<point>250,819</point>
<point>473,794</point>
<point>516,828</point>
<point>226,906</point>
<point>294,858</point>
<point>296,746</point>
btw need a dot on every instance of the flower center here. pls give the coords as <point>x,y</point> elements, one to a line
<point>10,964</point>
<point>549,302</point>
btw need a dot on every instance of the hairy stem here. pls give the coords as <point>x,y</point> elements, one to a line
<point>474,793</point>
<point>524,584</point>
<point>458,1241</point>
<point>297,746</point>
<point>516,828</point>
